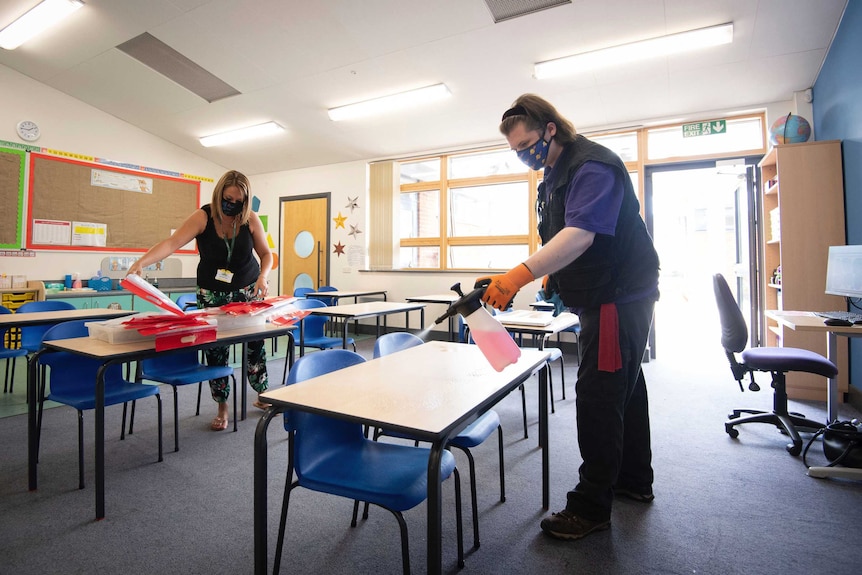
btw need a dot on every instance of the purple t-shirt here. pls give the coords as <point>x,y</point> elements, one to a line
<point>594,198</point>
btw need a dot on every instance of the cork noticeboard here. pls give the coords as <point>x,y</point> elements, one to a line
<point>11,197</point>
<point>132,210</point>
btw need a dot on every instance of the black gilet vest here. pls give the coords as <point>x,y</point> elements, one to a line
<point>614,267</point>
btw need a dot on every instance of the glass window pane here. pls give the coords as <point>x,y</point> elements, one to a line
<point>487,257</point>
<point>493,210</point>
<point>495,163</point>
<point>420,257</point>
<point>422,171</point>
<point>420,214</point>
<point>625,145</point>
<point>740,134</point>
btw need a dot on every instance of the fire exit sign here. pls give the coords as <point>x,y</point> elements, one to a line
<point>704,128</point>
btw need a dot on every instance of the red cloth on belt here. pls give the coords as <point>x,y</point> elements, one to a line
<point>610,358</point>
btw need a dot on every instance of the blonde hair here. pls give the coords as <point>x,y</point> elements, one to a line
<point>536,112</point>
<point>232,178</point>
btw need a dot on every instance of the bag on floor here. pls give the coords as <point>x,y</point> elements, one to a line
<point>842,443</point>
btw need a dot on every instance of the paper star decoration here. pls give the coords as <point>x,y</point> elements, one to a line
<point>354,231</point>
<point>352,203</point>
<point>339,221</point>
<point>339,249</point>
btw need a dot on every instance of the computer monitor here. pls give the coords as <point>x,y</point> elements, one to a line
<point>844,271</point>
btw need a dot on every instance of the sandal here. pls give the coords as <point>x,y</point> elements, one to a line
<point>218,423</point>
<point>261,405</point>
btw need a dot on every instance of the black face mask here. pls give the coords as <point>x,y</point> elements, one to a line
<point>231,208</point>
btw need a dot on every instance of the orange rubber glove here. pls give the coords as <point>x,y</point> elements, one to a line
<point>501,289</point>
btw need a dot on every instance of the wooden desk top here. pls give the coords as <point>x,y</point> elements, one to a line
<point>456,382</point>
<point>807,321</point>
<point>366,309</point>
<point>43,317</point>
<point>99,349</point>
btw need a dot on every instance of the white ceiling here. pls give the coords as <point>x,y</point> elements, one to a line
<point>292,59</point>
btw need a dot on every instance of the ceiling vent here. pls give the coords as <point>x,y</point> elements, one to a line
<point>508,9</point>
<point>157,55</point>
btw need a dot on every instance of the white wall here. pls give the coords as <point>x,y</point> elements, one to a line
<point>71,126</point>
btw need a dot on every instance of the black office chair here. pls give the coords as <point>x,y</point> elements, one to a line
<point>775,360</point>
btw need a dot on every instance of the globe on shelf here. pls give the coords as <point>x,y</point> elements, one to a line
<point>789,129</point>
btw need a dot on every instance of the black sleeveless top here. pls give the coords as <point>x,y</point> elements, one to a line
<point>213,251</point>
<point>616,268</point>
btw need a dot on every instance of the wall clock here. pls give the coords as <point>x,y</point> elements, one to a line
<point>28,130</point>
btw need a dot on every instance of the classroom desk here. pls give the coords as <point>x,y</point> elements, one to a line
<point>430,392</point>
<point>357,311</point>
<point>338,294</point>
<point>560,323</point>
<point>45,317</point>
<point>807,321</point>
<point>122,353</point>
<point>446,299</point>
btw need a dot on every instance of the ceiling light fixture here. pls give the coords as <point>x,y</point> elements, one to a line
<point>389,103</point>
<point>241,134</point>
<point>642,50</point>
<point>36,21</point>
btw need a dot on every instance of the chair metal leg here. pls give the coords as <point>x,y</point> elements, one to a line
<point>159,400</point>
<point>80,449</point>
<point>459,518</point>
<point>524,407</point>
<point>502,466</point>
<point>176,421</point>
<point>563,376</point>
<point>473,497</point>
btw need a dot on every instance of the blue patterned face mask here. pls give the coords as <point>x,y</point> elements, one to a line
<point>231,208</point>
<point>535,156</point>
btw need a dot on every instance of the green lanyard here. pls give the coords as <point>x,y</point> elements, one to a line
<point>229,246</point>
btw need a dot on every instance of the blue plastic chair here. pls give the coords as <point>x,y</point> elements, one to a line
<point>473,435</point>
<point>183,368</point>
<point>313,335</point>
<point>334,456</point>
<point>31,336</point>
<point>301,291</point>
<point>9,353</point>
<point>188,301</point>
<point>72,382</point>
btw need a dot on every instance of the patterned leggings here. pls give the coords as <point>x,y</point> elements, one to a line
<point>257,376</point>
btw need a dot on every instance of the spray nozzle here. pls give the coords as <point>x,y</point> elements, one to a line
<point>466,304</point>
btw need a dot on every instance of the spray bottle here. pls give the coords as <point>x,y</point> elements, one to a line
<point>489,334</point>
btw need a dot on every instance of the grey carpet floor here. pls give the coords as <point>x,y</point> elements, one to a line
<point>722,505</point>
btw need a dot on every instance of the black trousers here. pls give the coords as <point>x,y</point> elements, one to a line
<point>613,415</point>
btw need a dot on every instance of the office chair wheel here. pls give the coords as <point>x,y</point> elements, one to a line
<point>794,449</point>
<point>731,431</point>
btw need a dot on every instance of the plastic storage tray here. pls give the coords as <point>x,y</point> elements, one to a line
<point>113,331</point>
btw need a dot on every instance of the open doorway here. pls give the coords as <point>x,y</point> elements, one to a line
<point>701,218</point>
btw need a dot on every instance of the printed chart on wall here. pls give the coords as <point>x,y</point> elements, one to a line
<point>79,205</point>
<point>11,196</point>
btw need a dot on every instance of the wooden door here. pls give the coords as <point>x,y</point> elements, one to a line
<point>304,242</point>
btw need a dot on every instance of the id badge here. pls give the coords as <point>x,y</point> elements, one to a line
<point>224,275</point>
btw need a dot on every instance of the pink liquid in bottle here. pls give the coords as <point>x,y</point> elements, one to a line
<point>498,347</point>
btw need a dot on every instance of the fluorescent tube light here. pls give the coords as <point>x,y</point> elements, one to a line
<point>642,50</point>
<point>389,103</point>
<point>241,134</point>
<point>36,21</point>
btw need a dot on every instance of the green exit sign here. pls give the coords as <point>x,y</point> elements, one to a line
<point>704,128</point>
